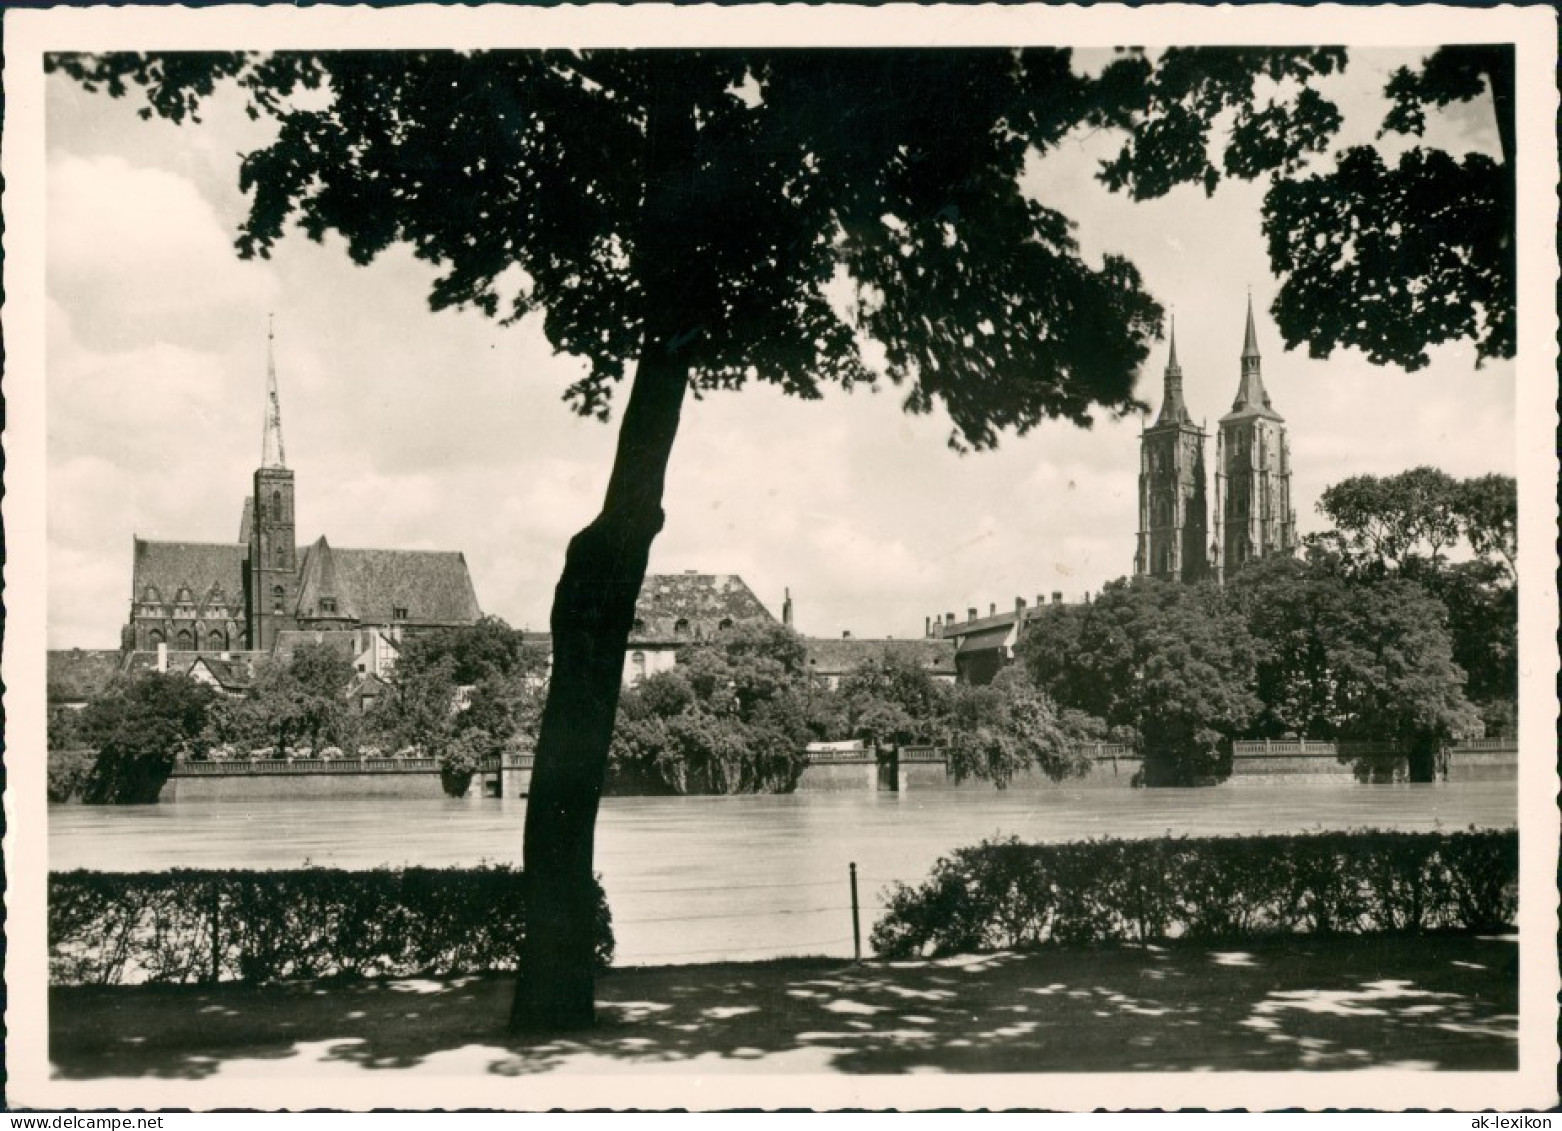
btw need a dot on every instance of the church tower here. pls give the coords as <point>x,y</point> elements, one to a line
<point>1253,515</point>
<point>1173,513</point>
<point>273,552</point>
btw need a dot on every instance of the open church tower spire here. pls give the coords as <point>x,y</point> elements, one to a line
<point>1173,514</point>
<point>273,548</point>
<point>272,453</point>
<point>1253,515</point>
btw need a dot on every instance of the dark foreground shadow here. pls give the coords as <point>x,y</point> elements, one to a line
<point>1448,1002</point>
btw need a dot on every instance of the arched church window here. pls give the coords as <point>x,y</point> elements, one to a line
<point>281,555</point>
<point>217,642</point>
<point>155,637</point>
<point>186,642</point>
<point>276,504</point>
<point>639,627</point>
<point>726,623</point>
<point>680,627</point>
<point>278,597</point>
<point>637,667</point>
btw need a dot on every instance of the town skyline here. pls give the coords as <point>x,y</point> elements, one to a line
<point>419,430</point>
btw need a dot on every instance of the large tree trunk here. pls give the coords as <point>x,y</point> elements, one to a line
<point>594,604</point>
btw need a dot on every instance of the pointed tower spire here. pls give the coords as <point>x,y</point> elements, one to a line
<point>271,452</point>
<point>1251,393</point>
<point>1173,410</point>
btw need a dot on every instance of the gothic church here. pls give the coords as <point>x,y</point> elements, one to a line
<point>1252,510</point>
<point>250,595</point>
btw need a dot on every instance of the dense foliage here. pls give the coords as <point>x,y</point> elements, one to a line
<point>1389,253</point>
<point>1398,629</point>
<point>296,701</point>
<point>189,925</point>
<point>734,716</point>
<point>139,726</point>
<point>1458,540</point>
<point>69,770</point>
<point>1168,661</point>
<point>1008,728</point>
<point>1005,894</point>
<point>475,688</point>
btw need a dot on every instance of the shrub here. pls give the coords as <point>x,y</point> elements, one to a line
<point>108,928</point>
<point>68,772</point>
<point>1004,894</point>
<point>460,759</point>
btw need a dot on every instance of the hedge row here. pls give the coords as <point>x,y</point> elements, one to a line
<point>1004,894</point>
<point>190,925</point>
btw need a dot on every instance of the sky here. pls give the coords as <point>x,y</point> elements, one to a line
<point>408,429</point>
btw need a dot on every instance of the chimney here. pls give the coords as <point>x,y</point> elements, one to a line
<point>970,614</point>
<point>992,609</point>
<point>786,609</point>
<point>1057,598</point>
<point>927,626</point>
<point>1019,608</point>
<point>1040,600</point>
<point>162,656</point>
<point>949,619</point>
<point>846,634</point>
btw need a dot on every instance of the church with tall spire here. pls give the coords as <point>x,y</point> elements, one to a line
<point>266,591</point>
<point>1173,512</point>
<point>1252,513</point>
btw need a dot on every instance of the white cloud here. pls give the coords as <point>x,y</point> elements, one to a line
<point>142,257</point>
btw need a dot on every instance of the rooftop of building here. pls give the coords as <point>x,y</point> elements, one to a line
<point>836,656</point>
<point>688,606</point>
<point>75,675</point>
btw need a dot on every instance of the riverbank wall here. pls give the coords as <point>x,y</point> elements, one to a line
<point>914,770</point>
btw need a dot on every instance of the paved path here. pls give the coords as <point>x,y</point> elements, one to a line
<point>1445,1003</point>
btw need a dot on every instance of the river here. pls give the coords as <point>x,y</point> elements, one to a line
<point>697,879</point>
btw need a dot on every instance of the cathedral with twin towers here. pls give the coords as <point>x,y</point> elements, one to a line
<point>1251,510</point>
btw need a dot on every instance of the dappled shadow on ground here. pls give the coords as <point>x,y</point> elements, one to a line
<point>1436,1003</point>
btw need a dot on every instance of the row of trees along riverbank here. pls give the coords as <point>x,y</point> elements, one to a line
<point>1395,628</point>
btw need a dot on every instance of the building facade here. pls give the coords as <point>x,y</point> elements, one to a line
<point>1252,513</point>
<point>252,594</point>
<point>1173,511</point>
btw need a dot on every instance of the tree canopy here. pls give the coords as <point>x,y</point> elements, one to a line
<point>1166,659</point>
<point>139,726</point>
<point>899,169</point>
<point>1386,255</point>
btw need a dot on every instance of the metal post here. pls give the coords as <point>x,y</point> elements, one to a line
<point>856,929</point>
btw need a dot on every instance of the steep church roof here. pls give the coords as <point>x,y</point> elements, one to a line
<point>169,567</point>
<point>432,586</point>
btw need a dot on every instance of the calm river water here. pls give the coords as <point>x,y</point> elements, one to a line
<point>697,879</point>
